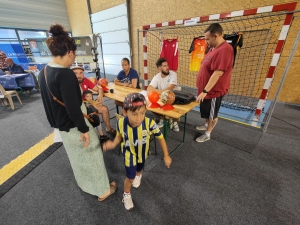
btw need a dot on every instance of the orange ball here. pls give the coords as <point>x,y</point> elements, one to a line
<point>103,82</point>
<point>153,96</point>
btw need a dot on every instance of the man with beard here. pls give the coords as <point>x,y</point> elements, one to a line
<point>213,78</point>
<point>165,80</point>
<point>86,84</point>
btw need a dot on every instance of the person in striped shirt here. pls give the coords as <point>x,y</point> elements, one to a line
<point>133,131</point>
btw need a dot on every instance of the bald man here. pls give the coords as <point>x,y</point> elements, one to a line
<point>13,68</point>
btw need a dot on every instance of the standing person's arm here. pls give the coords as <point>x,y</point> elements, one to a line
<point>211,83</point>
<point>109,145</point>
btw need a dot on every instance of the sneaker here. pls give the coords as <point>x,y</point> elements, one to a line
<point>203,138</point>
<point>127,200</point>
<point>176,127</point>
<point>202,127</point>
<point>160,123</point>
<point>137,181</point>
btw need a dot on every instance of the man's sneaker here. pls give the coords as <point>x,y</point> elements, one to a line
<point>160,123</point>
<point>203,138</point>
<point>137,181</point>
<point>127,200</point>
<point>202,127</point>
<point>176,127</point>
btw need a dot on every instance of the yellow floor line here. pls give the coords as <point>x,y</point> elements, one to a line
<point>22,160</point>
<point>247,124</point>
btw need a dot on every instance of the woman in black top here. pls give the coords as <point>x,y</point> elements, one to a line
<point>78,136</point>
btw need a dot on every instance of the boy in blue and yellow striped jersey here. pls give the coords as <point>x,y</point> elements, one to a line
<point>134,131</point>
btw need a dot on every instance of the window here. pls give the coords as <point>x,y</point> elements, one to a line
<point>8,34</point>
<point>31,34</point>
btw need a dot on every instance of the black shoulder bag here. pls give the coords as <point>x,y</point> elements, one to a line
<point>183,98</point>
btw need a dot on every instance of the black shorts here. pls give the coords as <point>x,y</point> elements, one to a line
<point>209,108</point>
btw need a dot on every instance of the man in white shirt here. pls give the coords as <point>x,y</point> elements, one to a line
<point>165,80</point>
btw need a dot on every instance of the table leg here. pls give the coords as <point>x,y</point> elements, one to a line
<point>166,128</point>
<point>184,127</point>
<point>183,138</point>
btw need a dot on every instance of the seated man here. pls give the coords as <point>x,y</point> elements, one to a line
<point>165,80</point>
<point>86,84</point>
<point>13,68</point>
<point>127,76</point>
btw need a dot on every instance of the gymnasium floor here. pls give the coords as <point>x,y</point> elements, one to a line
<point>238,177</point>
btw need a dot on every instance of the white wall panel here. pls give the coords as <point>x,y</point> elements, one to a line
<point>116,49</point>
<point>112,25</point>
<point>33,14</point>
<point>116,23</point>
<point>109,13</point>
<point>114,60</point>
<point>116,36</point>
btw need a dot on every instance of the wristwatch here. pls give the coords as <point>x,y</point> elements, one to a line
<point>205,91</point>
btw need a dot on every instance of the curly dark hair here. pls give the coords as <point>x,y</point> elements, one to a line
<point>60,43</point>
<point>160,61</point>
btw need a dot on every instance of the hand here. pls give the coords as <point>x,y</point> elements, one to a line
<point>168,161</point>
<point>108,145</point>
<point>86,137</point>
<point>126,84</point>
<point>97,104</point>
<point>7,72</point>
<point>100,98</point>
<point>201,97</point>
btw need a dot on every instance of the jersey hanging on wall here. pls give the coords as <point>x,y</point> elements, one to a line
<point>235,40</point>
<point>198,48</point>
<point>169,51</point>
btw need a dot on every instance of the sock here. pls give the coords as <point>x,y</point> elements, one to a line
<point>207,133</point>
<point>125,193</point>
<point>206,124</point>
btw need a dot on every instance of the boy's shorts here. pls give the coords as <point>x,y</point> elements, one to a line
<point>131,171</point>
<point>209,108</point>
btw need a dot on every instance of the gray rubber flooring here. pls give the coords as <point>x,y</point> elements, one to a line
<point>238,177</point>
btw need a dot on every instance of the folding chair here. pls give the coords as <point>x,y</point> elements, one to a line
<point>8,94</point>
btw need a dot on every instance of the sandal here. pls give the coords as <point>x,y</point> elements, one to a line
<point>111,131</point>
<point>112,189</point>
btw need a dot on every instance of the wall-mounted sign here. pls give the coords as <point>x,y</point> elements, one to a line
<point>84,46</point>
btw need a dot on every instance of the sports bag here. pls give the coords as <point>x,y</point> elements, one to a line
<point>183,98</point>
<point>93,115</point>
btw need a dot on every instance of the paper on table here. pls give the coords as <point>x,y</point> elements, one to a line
<point>145,93</point>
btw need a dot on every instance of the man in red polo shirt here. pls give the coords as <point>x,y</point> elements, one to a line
<point>86,84</point>
<point>213,78</point>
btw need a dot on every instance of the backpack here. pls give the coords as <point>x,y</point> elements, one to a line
<point>183,98</point>
<point>93,115</point>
